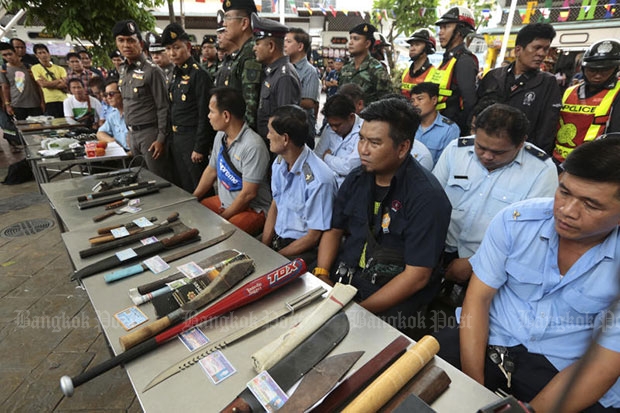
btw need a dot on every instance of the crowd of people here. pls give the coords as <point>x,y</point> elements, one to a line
<point>499,195</point>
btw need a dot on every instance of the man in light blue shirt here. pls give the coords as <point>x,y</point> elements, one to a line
<point>485,173</point>
<point>544,278</point>
<point>435,130</point>
<point>302,186</point>
<point>114,128</point>
<point>297,47</point>
<point>338,144</point>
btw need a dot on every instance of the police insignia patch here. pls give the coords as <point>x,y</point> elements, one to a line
<point>173,35</point>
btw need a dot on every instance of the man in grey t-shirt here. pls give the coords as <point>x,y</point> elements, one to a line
<point>239,163</point>
<point>22,96</point>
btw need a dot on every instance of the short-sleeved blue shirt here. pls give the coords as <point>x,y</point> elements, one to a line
<point>304,195</point>
<point>535,305</point>
<point>437,136</point>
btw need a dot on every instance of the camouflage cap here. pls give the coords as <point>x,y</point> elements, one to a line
<point>365,29</point>
<point>126,28</point>
<point>172,33</point>
<point>247,5</point>
<point>209,39</point>
<point>267,28</point>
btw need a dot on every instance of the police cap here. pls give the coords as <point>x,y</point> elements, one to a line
<point>126,28</point>
<point>365,29</point>
<point>247,5</point>
<point>114,54</point>
<point>267,28</point>
<point>209,39</point>
<point>172,33</point>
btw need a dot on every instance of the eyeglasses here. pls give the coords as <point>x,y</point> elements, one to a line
<point>229,18</point>
<point>110,94</point>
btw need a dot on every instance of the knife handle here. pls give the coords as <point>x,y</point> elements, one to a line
<point>180,238</point>
<point>103,216</point>
<point>134,338</point>
<point>102,239</point>
<point>173,217</point>
<point>237,406</point>
<point>117,204</point>
<point>106,230</point>
<point>123,273</point>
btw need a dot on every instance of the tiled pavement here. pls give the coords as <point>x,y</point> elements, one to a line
<point>48,327</point>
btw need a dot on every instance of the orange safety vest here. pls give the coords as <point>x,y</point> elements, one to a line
<point>582,120</point>
<point>408,82</point>
<point>443,77</point>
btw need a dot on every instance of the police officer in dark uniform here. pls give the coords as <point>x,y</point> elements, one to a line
<point>209,53</point>
<point>161,58</point>
<point>145,102</point>
<point>281,85</point>
<point>192,134</point>
<point>245,72</point>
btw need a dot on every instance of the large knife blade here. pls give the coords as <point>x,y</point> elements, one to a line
<point>127,194</point>
<point>173,256</point>
<point>140,253</point>
<point>202,352</point>
<point>160,228</point>
<point>320,380</point>
<point>297,363</point>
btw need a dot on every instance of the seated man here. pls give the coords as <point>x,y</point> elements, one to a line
<point>395,215</point>
<point>303,188</point>
<point>435,131</point>
<point>239,162</point>
<point>338,144</point>
<point>485,173</point>
<point>114,128</point>
<point>544,277</point>
<point>82,107</point>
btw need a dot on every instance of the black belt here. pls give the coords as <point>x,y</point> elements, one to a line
<point>136,128</point>
<point>278,243</point>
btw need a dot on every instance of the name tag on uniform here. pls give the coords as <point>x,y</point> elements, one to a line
<point>138,76</point>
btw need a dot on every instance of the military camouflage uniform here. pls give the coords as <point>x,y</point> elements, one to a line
<point>245,75</point>
<point>371,77</point>
<point>211,70</point>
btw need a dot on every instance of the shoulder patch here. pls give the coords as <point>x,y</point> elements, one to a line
<point>536,152</point>
<point>308,175</point>
<point>447,121</point>
<point>466,142</point>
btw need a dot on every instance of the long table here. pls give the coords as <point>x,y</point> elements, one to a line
<point>192,390</point>
<point>63,199</point>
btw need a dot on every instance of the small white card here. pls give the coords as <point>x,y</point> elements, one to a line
<point>127,193</point>
<point>124,255</point>
<point>193,339</point>
<point>119,232</point>
<point>134,202</point>
<point>217,367</point>
<point>130,317</point>
<point>142,222</point>
<point>149,240</point>
<point>130,209</point>
<point>267,392</point>
<point>191,269</point>
<point>156,264</point>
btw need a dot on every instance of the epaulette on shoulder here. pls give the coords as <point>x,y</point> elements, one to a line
<point>152,64</point>
<point>536,152</point>
<point>195,66</point>
<point>447,121</point>
<point>308,174</point>
<point>466,142</point>
<point>279,159</point>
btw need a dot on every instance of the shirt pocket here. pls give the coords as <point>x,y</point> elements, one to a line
<point>456,189</point>
<point>296,216</point>
<point>505,197</point>
<point>525,282</point>
<point>584,303</point>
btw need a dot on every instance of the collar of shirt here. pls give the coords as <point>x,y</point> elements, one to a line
<point>297,166</point>
<point>185,68</point>
<point>427,64</point>
<point>272,68</point>
<point>137,64</point>
<point>301,63</point>
<point>239,136</point>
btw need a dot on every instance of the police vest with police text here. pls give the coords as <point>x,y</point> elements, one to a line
<point>582,120</point>
<point>443,78</point>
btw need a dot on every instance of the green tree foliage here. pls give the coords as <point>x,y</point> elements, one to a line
<point>90,21</point>
<point>405,16</point>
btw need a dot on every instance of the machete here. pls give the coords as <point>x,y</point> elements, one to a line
<point>127,194</point>
<point>142,252</point>
<point>290,307</point>
<point>114,191</point>
<point>295,364</point>
<point>173,256</point>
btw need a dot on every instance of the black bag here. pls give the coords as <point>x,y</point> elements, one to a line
<point>18,173</point>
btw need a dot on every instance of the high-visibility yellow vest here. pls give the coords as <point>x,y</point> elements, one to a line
<point>582,120</point>
<point>443,77</point>
<point>408,82</point>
